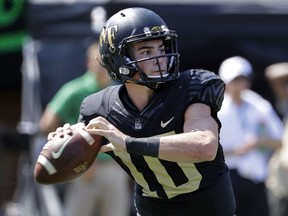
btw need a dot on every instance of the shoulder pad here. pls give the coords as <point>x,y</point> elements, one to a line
<point>97,104</point>
<point>206,87</point>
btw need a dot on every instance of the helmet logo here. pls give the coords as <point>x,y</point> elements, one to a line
<point>108,36</point>
<point>159,28</point>
<point>154,29</point>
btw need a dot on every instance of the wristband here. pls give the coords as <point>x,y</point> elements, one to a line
<point>143,146</point>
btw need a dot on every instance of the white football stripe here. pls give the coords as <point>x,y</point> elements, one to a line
<point>89,139</point>
<point>47,164</point>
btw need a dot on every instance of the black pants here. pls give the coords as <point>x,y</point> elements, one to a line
<point>251,198</point>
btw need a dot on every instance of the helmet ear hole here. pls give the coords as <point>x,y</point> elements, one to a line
<point>124,71</point>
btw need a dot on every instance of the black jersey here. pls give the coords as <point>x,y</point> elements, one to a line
<point>161,180</point>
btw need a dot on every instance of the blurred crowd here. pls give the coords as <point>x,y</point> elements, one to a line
<point>58,56</point>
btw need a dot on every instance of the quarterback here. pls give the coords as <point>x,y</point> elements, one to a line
<point>161,125</point>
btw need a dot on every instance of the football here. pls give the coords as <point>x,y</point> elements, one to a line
<point>65,159</point>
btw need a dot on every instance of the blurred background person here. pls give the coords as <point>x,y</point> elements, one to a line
<point>103,190</point>
<point>64,106</point>
<point>277,76</point>
<point>277,182</point>
<point>251,131</point>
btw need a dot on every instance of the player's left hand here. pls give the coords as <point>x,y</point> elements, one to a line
<point>67,129</point>
<point>102,127</point>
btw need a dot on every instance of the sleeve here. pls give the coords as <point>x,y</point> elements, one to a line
<point>206,87</point>
<point>95,105</point>
<point>88,108</point>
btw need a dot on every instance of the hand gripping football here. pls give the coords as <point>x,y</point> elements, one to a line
<point>65,159</point>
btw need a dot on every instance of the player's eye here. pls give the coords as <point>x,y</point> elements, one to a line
<point>162,51</point>
<point>145,52</point>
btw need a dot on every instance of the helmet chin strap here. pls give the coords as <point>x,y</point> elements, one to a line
<point>152,86</point>
<point>143,80</point>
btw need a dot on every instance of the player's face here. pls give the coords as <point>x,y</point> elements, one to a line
<point>150,49</point>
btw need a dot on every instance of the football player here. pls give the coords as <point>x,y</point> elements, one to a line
<point>161,125</point>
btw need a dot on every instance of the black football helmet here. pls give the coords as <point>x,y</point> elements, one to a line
<point>130,26</point>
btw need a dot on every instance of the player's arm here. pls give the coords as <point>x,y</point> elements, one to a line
<point>198,143</point>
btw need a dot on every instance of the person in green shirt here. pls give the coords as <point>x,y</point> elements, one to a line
<point>64,106</point>
<point>104,187</point>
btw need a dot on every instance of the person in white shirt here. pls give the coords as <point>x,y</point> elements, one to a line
<point>251,131</point>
